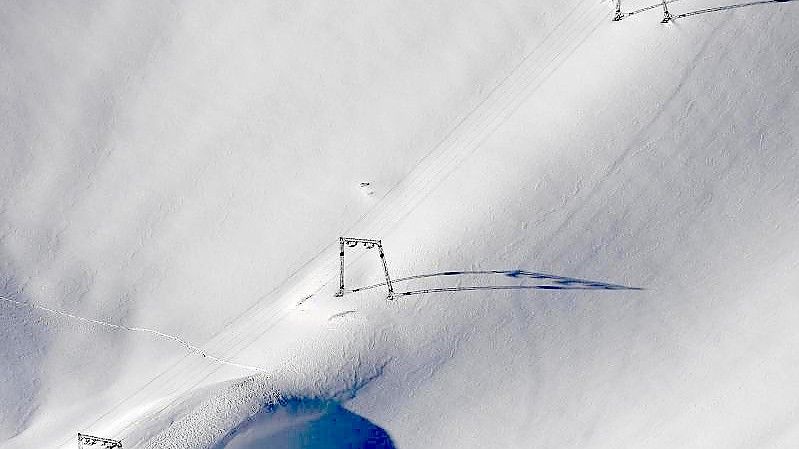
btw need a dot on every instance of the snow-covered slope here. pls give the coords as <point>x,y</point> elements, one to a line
<point>168,165</point>
<point>187,168</point>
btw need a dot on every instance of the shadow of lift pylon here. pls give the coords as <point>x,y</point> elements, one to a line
<point>369,244</point>
<point>667,17</point>
<point>105,443</point>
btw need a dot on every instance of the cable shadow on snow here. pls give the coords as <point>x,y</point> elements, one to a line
<point>728,7</point>
<point>544,281</point>
<point>699,11</point>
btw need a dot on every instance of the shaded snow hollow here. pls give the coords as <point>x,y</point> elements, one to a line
<point>312,424</point>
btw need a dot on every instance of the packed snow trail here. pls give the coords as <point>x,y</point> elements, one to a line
<point>465,137</point>
<point>191,347</point>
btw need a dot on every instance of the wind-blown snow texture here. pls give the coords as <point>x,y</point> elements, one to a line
<point>187,168</point>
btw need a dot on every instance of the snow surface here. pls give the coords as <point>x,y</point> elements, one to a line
<point>187,168</point>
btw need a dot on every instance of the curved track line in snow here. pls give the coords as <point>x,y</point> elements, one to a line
<point>500,287</point>
<point>563,281</point>
<point>182,342</point>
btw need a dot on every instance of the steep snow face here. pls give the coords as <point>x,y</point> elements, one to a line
<point>206,155</point>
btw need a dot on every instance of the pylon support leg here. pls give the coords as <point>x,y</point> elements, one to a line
<point>666,14</point>
<point>340,291</point>
<point>619,15</point>
<point>385,270</point>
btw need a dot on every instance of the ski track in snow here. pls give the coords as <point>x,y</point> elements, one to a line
<point>193,348</point>
<point>463,139</point>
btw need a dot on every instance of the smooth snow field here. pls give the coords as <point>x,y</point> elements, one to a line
<point>590,225</point>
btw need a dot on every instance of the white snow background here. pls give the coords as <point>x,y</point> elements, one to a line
<point>180,172</point>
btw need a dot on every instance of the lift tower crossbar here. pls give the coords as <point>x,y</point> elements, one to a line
<point>369,244</point>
